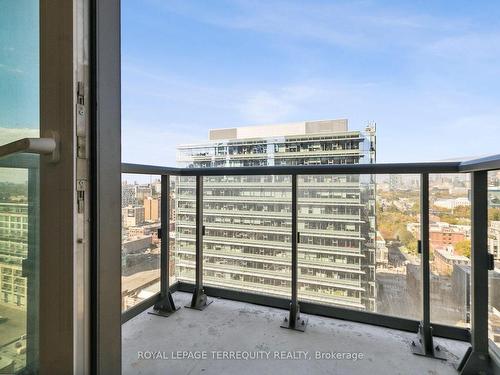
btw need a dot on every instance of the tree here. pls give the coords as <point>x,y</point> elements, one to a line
<point>412,247</point>
<point>463,248</point>
<point>462,211</point>
<point>494,214</point>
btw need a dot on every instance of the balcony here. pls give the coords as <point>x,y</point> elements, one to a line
<point>249,329</point>
<point>388,308</point>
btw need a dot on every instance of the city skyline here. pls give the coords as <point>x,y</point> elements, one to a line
<point>246,220</point>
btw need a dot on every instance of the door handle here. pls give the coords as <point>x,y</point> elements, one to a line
<point>41,146</point>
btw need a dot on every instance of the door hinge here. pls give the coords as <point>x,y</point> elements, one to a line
<point>81,122</point>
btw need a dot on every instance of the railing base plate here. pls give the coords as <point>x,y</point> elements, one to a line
<point>199,307</point>
<point>199,301</point>
<point>162,313</point>
<point>424,344</point>
<point>418,349</point>
<point>300,324</point>
<point>164,307</point>
<point>474,363</point>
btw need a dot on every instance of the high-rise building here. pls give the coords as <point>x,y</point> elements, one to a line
<point>128,195</point>
<point>247,241</point>
<point>151,209</point>
<point>143,191</point>
<point>13,249</point>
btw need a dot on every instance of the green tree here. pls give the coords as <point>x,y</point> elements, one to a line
<point>494,214</point>
<point>463,248</point>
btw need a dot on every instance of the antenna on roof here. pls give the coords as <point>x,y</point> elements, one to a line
<point>371,128</point>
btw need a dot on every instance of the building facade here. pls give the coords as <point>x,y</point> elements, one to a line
<point>247,242</point>
<point>13,249</point>
<point>494,196</point>
<point>132,216</point>
<point>445,260</point>
<point>128,195</point>
<point>494,239</point>
<point>152,209</point>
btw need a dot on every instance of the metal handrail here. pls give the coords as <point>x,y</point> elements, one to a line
<point>488,163</point>
<point>381,168</point>
<point>482,164</point>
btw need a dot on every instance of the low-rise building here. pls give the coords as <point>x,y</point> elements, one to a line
<point>494,239</point>
<point>381,252</point>
<point>440,236</point>
<point>452,203</point>
<point>445,259</point>
<point>132,216</point>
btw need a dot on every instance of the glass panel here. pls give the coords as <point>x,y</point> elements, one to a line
<point>172,229</point>
<point>494,248</point>
<point>247,233</point>
<point>356,247</point>
<point>141,202</point>
<point>19,207</point>
<point>19,264</point>
<point>185,230</point>
<point>336,252</point>
<point>450,246</point>
<point>398,267</point>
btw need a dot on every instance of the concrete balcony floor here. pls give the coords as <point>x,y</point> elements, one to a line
<point>228,325</point>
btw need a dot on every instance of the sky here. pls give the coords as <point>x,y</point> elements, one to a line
<point>19,69</point>
<point>427,72</point>
<point>19,76</point>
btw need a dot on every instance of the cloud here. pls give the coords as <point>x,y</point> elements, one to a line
<point>267,106</point>
<point>8,135</point>
<point>10,69</point>
<point>471,55</point>
<point>428,77</point>
<point>156,144</point>
<point>352,24</point>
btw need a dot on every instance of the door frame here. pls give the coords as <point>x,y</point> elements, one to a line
<point>80,195</point>
<point>105,93</point>
<point>57,188</point>
<point>80,268</point>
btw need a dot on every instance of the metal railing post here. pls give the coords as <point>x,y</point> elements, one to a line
<point>477,359</point>
<point>424,345</point>
<point>294,321</point>
<point>165,306</point>
<point>199,299</point>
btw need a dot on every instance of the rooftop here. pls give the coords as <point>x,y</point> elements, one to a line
<point>280,130</point>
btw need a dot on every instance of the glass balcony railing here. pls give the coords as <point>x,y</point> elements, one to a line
<point>398,245</point>
<point>141,246</point>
